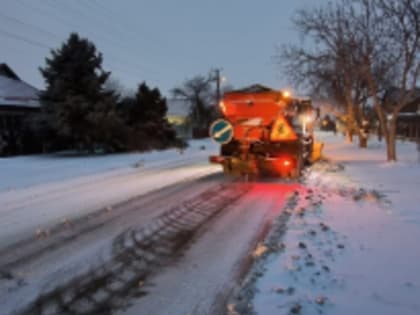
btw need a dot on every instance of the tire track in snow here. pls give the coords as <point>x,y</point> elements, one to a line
<point>136,254</point>
<point>26,250</point>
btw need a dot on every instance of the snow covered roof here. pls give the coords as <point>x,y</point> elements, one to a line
<point>15,92</point>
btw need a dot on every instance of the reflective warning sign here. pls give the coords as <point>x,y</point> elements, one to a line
<point>221,131</point>
<point>282,130</point>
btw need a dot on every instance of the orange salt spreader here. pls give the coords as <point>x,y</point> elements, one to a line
<point>264,132</point>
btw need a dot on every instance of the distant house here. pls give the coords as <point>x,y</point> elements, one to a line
<point>408,125</point>
<point>18,100</point>
<point>413,106</point>
<point>178,116</point>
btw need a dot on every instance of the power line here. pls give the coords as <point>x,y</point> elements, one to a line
<point>130,70</point>
<point>123,29</point>
<point>128,26</point>
<point>110,56</point>
<point>42,45</point>
<point>23,39</point>
<point>28,25</point>
<point>109,38</point>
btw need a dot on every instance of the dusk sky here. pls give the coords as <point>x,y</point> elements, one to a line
<point>160,42</point>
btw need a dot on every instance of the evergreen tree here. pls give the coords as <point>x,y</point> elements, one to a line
<point>145,114</point>
<point>77,108</point>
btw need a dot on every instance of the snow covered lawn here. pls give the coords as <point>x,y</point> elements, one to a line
<point>352,241</point>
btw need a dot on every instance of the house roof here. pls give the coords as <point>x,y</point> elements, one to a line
<point>6,71</point>
<point>14,91</point>
<point>413,103</point>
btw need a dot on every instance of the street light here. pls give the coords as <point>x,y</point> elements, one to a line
<point>222,106</point>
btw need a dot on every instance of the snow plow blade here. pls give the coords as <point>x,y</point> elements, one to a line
<point>317,151</point>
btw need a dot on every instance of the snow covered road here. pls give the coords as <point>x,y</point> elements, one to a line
<point>58,226</point>
<point>40,265</point>
<point>200,281</point>
<point>196,282</point>
<point>182,235</point>
<point>60,216</point>
<point>70,188</point>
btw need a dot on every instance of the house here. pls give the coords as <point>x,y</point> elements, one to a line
<point>18,101</point>
<point>178,117</point>
<point>408,124</point>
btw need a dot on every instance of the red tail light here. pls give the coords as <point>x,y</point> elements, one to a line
<point>216,159</point>
<point>287,163</point>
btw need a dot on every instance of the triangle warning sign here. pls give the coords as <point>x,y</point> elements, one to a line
<point>282,130</point>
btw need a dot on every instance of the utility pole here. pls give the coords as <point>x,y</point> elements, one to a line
<point>218,86</point>
<point>219,79</point>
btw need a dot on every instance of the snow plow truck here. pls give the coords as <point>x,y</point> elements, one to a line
<point>264,132</point>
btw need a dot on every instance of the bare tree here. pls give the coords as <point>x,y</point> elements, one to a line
<point>327,65</point>
<point>199,93</point>
<point>362,49</point>
<point>390,44</point>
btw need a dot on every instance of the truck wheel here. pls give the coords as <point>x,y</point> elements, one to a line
<point>297,172</point>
